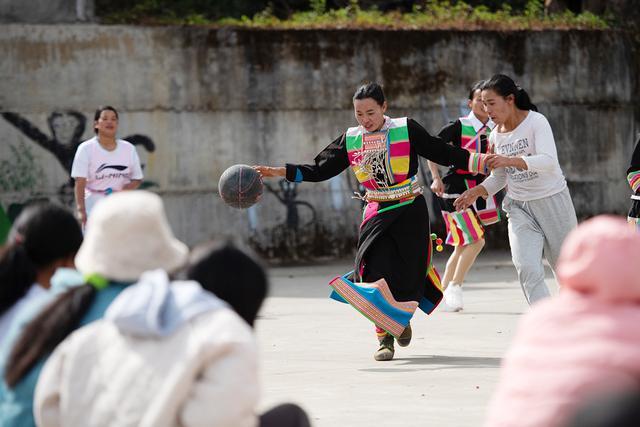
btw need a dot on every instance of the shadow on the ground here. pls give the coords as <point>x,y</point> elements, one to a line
<point>436,363</point>
<point>471,288</point>
<point>490,313</point>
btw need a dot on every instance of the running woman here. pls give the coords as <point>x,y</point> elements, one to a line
<point>538,205</point>
<point>465,230</point>
<point>393,275</point>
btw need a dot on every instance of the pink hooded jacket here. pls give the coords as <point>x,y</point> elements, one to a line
<point>582,343</point>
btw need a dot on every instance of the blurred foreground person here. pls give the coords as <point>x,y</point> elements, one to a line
<point>167,353</point>
<point>582,343</point>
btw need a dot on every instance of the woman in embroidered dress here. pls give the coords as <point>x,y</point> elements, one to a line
<point>633,176</point>
<point>538,204</point>
<point>465,230</point>
<point>393,274</point>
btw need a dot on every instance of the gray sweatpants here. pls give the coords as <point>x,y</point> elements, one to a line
<point>537,227</point>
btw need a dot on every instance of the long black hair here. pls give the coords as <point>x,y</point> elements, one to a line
<point>48,329</point>
<point>504,86</point>
<point>42,234</point>
<point>232,275</point>
<point>370,90</point>
<point>99,111</point>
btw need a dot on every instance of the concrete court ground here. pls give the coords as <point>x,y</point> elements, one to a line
<point>318,353</point>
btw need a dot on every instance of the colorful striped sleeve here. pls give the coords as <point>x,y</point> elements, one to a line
<point>477,163</point>
<point>633,173</point>
<point>634,180</point>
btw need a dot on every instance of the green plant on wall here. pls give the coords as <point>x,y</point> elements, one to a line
<point>21,173</point>
<point>5,225</point>
<point>318,6</point>
<point>420,14</point>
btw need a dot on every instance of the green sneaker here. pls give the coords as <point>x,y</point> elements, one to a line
<point>386,351</point>
<point>405,337</point>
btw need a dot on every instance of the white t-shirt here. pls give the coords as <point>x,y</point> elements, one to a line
<point>533,141</point>
<point>105,169</point>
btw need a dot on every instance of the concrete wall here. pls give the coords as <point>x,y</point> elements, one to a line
<point>210,98</point>
<point>46,11</point>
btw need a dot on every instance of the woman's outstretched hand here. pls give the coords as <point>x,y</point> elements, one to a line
<point>469,197</point>
<point>268,171</point>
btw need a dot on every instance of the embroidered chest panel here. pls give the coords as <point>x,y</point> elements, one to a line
<point>472,141</point>
<point>380,159</point>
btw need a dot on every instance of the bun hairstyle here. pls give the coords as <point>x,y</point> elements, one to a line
<point>370,90</point>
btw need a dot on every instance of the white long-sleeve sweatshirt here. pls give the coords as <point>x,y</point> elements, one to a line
<point>532,140</point>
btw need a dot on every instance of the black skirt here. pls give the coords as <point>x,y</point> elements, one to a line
<point>396,246</point>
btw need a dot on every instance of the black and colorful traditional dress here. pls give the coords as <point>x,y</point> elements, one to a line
<point>633,177</point>
<point>393,275</point>
<point>467,226</point>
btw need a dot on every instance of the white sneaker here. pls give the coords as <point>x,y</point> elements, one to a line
<point>452,298</point>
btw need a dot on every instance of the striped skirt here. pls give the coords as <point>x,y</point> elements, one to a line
<point>376,303</point>
<point>463,228</point>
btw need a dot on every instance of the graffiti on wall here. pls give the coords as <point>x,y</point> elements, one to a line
<point>66,130</point>
<point>301,235</point>
<point>22,175</point>
<point>287,194</point>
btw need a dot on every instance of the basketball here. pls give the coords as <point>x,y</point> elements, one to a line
<point>240,186</point>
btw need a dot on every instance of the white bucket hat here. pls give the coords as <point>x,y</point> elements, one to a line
<point>128,234</point>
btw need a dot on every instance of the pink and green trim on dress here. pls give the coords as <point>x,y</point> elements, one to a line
<point>376,303</point>
<point>463,228</point>
<point>490,214</point>
<point>471,140</point>
<point>372,155</point>
<point>390,144</point>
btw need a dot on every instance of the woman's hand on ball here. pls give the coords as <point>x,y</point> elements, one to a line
<point>268,171</point>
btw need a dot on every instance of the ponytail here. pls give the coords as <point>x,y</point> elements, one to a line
<point>17,274</point>
<point>41,336</point>
<point>523,101</point>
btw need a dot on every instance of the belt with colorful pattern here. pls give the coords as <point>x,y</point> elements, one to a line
<point>407,189</point>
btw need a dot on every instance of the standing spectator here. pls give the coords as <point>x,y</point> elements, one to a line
<point>103,164</point>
